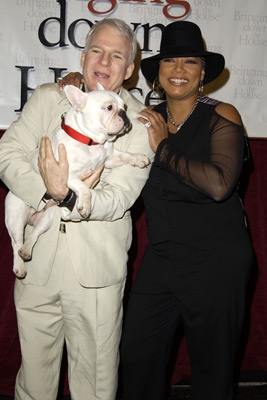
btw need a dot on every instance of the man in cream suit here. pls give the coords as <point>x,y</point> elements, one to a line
<point>74,287</point>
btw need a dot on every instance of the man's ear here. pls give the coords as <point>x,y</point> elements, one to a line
<point>83,55</point>
<point>129,71</point>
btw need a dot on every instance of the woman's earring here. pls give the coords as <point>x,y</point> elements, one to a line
<point>157,88</point>
<point>200,87</point>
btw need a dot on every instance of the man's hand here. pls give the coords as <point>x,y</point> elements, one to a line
<point>55,174</point>
<point>73,78</point>
<point>91,178</point>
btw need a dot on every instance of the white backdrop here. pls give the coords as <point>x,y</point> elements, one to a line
<point>235,28</point>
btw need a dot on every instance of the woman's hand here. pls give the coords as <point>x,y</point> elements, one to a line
<point>91,178</point>
<point>73,78</point>
<point>156,127</point>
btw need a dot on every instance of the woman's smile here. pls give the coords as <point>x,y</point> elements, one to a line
<point>178,81</point>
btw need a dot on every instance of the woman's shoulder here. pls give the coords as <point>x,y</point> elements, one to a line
<point>229,112</point>
<point>225,110</point>
<point>209,100</point>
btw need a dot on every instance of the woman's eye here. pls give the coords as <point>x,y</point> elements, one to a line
<point>190,61</point>
<point>167,60</point>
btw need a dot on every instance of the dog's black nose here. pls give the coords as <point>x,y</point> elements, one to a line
<point>126,121</point>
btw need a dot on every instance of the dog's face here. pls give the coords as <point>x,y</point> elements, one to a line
<point>98,114</point>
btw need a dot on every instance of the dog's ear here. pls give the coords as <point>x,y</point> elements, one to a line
<point>99,86</point>
<point>76,97</point>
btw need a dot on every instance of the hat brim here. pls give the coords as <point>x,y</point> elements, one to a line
<point>214,64</point>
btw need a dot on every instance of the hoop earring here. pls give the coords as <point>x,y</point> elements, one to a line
<point>200,88</point>
<point>157,88</point>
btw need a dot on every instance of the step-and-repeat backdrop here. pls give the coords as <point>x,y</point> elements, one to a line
<point>41,40</point>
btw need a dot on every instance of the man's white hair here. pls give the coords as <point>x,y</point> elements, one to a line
<point>120,27</point>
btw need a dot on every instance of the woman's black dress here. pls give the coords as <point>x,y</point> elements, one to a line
<point>196,266</point>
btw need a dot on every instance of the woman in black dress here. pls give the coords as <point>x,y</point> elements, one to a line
<point>196,266</point>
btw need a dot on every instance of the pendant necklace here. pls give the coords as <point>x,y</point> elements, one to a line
<point>179,126</point>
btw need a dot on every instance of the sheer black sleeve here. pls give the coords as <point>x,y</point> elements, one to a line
<point>217,175</point>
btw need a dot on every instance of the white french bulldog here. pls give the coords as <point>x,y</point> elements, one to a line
<point>88,129</point>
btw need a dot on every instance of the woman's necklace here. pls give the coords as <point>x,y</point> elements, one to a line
<point>179,126</point>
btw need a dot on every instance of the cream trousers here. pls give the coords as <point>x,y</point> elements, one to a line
<point>89,321</point>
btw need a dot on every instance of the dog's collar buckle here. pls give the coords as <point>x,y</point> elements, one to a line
<point>76,135</point>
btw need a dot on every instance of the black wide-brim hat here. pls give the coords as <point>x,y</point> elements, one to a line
<point>183,39</point>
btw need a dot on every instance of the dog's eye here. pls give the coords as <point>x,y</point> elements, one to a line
<point>110,107</point>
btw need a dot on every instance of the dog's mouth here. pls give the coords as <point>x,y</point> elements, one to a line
<point>124,128</point>
<point>125,119</point>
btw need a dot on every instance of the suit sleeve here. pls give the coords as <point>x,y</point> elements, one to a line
<point>21,139</point>
<point>217,176</point>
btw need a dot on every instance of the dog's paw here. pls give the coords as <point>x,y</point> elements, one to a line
<point>20,271</point>
<point>139,160</point>
<point>84,209</point>
<point>24,254</point>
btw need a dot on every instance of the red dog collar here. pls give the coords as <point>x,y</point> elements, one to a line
<point>77,135</point>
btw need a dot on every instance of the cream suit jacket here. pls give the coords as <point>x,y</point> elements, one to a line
<point>98,245</point>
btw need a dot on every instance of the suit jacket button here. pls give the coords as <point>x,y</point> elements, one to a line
<point>62,228</point>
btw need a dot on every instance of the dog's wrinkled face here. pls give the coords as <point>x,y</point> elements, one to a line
<point>111,112</point>
<point>99,114</point>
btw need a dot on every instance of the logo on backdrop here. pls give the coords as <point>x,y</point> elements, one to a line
<point>168,5</point>
<point>184,6</point>
<point>53,31</point>
<point>96,7</point>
